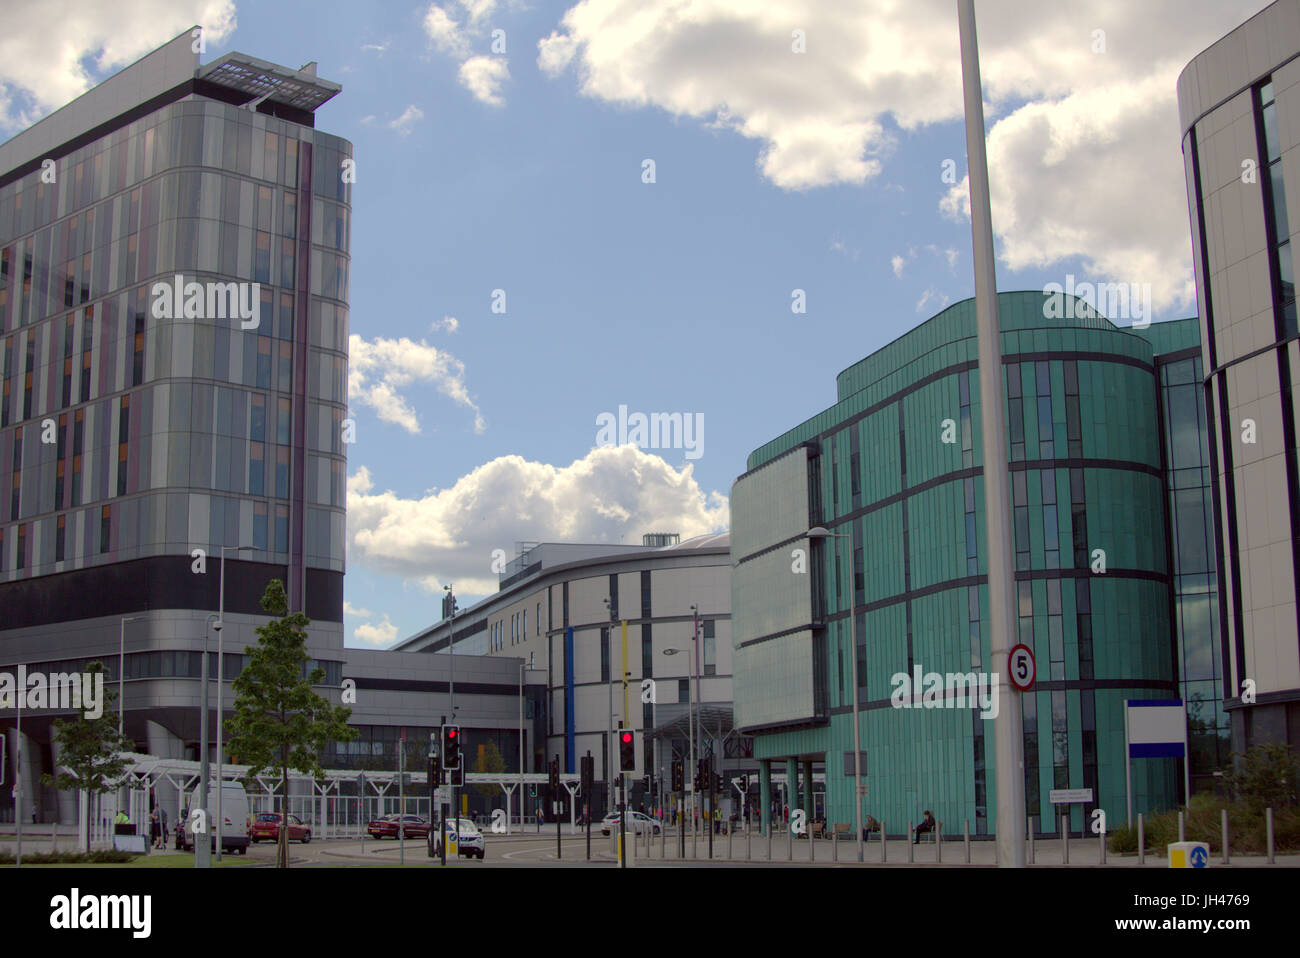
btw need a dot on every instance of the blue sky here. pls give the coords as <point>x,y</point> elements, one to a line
<point>774,171</point>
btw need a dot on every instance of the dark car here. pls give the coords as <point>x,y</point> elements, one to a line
<point>413,826</point>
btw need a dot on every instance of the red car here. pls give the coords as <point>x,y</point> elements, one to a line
<point>413,826</point>
<point>266,827</point>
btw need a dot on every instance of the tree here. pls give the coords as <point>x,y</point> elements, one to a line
<point>1266,776</point>
<point>90,752</point>
<point>489,760</point>
<point>279,720</point>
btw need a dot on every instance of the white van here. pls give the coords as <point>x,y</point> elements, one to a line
<point>234,811</point>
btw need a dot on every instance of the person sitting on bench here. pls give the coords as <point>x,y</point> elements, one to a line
<point>926,826</point>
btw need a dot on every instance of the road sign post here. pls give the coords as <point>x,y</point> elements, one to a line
<point>1020,663</point>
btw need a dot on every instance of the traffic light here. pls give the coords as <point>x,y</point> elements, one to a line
<point>679,777</point>
<point>435,771</point>
<point>588,774</point>
<point>702,775</point>
<point>647,784</point>
<point>555,777</point>
<point>451,747</point>
<point>719,784</point>
<point>626,750</point>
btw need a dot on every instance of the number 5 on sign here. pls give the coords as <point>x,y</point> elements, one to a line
<point>1020,663</point>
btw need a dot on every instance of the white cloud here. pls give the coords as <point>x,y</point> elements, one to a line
<point>932,295</point>
<point>483,77</point>
<point>445,33</point>
<point>369,119</point>
<point>43,48</point>
<point>378,633</point>
<point>1084,146</point>
<point>449,534</point>
<point>555,53</point>
<point>448,324</point>
<point>410,116</point>
<point>900,260</point>
<point>380,48</point>
<point>350,609</point>
<point>378,370</point>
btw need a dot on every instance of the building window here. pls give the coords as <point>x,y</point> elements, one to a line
<point>1277,224</point>
<point>604,654</point>
<point>710,648</point>
<point>60,538</point>
<point>683,691</point>
<point>105,528</point>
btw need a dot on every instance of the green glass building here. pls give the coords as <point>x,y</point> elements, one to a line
<point>1114,562</point>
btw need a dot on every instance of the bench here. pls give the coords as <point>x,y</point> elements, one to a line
<point>932,835</point>
<point>818,829</point>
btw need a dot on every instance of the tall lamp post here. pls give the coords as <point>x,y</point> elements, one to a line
<point>202,848</point>
<point>821,532</point>
<point>221,678</point>
<point>690,734</point>
<point>121,693</point>
<point>451,698</point>
<point>1008,723</point>
<point>529,667</point>
<point>609,738</point>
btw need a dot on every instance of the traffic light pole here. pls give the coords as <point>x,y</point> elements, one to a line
<point>588,764</point>
<point>713,798</point>
<point>622,815</point>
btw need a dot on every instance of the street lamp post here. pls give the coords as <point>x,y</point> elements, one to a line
<point>690,735</point>
<point>529,667</point>
<point>121,696</point>
<point>221,660</point>
<point>821,532</point>
<point>202,849</point>
<point>609,687</point>
<point>451,697</point>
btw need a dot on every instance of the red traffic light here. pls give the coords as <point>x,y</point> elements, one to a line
<point>627,737</point>
<point>451,733</point>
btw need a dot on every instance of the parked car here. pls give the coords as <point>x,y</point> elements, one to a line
<point>469,840</point>
<point>635,821</point>
<point>413,826</point>
<point>266,827</point>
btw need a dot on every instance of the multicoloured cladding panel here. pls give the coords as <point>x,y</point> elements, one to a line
<point>1088,486</point>
<point>126,434</point>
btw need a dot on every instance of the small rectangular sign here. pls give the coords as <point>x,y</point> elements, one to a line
<point>1069,796</point>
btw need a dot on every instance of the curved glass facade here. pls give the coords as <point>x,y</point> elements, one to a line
<point>901,478</point>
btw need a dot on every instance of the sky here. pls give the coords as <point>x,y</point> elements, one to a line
<point>704,207</point>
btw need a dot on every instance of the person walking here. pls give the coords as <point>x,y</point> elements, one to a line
<point>155,831</point>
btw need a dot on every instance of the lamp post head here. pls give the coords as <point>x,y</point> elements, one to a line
<point>821,532</point>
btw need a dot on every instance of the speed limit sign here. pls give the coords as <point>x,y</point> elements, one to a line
<point>1020,662</point>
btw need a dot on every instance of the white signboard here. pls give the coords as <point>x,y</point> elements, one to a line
<point>1069,796</point>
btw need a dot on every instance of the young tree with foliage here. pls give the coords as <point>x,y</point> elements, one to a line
<point>280,722</point>
<point>489,760</point>
<point>90,754</point>
<point>1266,776</point>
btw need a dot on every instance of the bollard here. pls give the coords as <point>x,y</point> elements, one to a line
<point>789,844</point>
<point>1268,826</point>
<point>1101,834</point>
<point>770,830</point>
<point>938,842</point>
<point>910,847</point>
<point>1031,839</point>
<point>1142,840</point>
<point>966,838</point>
<point>1225,836</point>
<point>731,834</point>
<point>748,847</point>
<point>882,841</point>
<point>1065,839</point>
<point>1182,835</point>
<point>812,847</point>
<point>835,846</point>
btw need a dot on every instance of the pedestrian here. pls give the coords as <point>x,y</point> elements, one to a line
<point>155,832</point>
<point>162,818</point>
<point>927,825</point>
